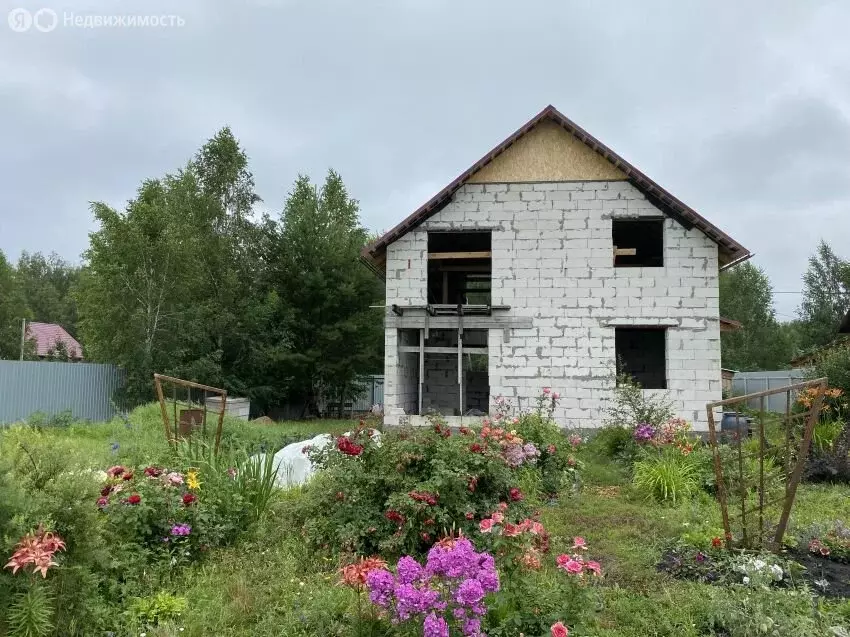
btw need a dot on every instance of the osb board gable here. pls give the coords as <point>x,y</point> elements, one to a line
<point>547,153</point>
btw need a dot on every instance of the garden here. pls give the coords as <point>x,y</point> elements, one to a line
<point>514,527</point>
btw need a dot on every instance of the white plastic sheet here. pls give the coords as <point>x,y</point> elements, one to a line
<point>292,464</point>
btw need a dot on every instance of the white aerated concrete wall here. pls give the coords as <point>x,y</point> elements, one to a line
<point>552,261</point>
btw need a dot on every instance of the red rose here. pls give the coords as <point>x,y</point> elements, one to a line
<point>516,494</point>
<point>134,499</point>
<point>394,516</point>
<point>152,472</point>
<point>426,537</point>
<point>349,448</point>
<point>128,476</point>
<point>470,515</point>
<point>716,542</point>
<point>476,448</point>
<point>464,430</point>
<point>189,498</point>
<point>428,522</point>
<point>105,491</point>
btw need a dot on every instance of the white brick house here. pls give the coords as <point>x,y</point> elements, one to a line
<point>551,262</point>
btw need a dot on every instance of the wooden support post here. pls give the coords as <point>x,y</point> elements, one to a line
<point>161,398</point>
<point>421,368</point>
<point>460,367</point>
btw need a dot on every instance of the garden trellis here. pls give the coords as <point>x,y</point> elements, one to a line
<point>193,415</point>
<point>745,475</point>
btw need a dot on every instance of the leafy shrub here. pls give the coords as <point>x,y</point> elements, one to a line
<point>616,442</point>
<point>157,609</point>
<point>557,465</point>
<point>667,476</point>
<point>632,407</point>
<point>399,495</point>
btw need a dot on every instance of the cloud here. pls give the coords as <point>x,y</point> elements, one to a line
<point>742,113</point>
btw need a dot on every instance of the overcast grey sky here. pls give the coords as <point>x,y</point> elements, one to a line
<point>741,109</point>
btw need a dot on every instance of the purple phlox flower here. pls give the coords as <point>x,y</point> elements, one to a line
<point>411,600</point>
<point>459,613</point>
<point>531,452</point>
<point>644,432</point>
<point>472,628</point>
<point>409,570</point>
<point>469,593</point>
<point>435,626</point>
<point>181,529</point>
<point>380,583</point>
<point>514,455</point>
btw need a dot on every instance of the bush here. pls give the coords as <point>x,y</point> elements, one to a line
<point>400,495</point>
<point>632,407</point>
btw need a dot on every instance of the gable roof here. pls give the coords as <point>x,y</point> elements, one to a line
<point>730,250</point>
<point>47,335</point>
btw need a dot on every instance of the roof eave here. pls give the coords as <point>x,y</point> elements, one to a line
<point>733,251</point>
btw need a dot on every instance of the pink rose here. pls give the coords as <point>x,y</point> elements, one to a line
<point>555,395</point>
<point>594,567</point>
<point>546,391</point>
<point>486,525</point>
<point>579,543</point>
<point>498,517</point>
<point>559,630</point>
<point>574,566</point>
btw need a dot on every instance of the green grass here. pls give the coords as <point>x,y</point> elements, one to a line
<point>271,584</point>
<point>140,438</point>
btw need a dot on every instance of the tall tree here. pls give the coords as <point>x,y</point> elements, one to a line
<point>746,295</point>
<point>826,296</point>
<point>131,289</point>
<point>223,238</point>
<point>46,283</point>
<point>13,309</point>
<point>335,337</point>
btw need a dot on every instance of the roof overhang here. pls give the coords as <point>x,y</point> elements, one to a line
<point>731,252</point>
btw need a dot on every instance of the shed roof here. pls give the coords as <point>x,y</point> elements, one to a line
<point>730,250</point>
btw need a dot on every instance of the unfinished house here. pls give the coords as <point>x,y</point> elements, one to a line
<point>551,262</point>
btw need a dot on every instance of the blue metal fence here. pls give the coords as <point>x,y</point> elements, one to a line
<point>84,389</point>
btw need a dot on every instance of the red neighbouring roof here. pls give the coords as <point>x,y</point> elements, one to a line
<point>730,250</point>
<point>47,335</point>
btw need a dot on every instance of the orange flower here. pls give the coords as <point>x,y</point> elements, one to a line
<point>354,575</point>
<point>36,549</point>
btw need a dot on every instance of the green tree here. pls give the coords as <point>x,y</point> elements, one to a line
<point>46,283</point>
<point>746,295</point>
<point>334,336</point>
<point>220,320</point>
<point>13,309</point>
<point>131,290</point>
<point>826,296</point>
